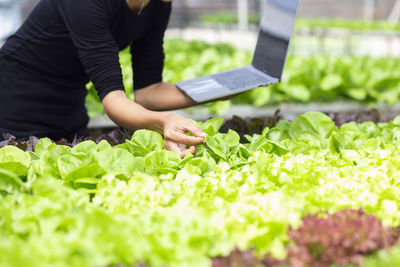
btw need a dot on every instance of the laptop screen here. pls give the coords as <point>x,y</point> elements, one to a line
<point>276,30</point>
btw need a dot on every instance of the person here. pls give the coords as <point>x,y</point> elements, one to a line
<point>63,44</point>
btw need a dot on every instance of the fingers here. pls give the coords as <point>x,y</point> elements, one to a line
<point>191,149</point>
<point>181,138</point>
<point>195,130</point>
<point>176,127</point>
<point>173,147</point>
<point>180,149</point>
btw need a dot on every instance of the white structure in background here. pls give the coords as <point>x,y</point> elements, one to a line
<point>243,14</point>
<point>10,17</point>
<point>369,10</point>
<point>395,15</point>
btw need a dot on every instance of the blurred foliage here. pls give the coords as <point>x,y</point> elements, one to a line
<point>301,23</point>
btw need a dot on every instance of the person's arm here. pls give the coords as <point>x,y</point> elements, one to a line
<point>148,63</point>
<point>88,22</point>
<point>133,116</point>
<point>163,96</point>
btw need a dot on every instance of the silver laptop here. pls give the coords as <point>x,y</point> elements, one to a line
<point>276,29</point>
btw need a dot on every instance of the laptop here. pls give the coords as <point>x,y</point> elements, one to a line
<point>276,29</point>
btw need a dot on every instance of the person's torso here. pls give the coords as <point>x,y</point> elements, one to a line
<point>42,80</point>
<point>44,47</point>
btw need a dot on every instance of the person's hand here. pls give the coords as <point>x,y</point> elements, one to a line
<point>175,128</point>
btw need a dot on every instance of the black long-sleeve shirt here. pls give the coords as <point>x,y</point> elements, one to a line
<point>62,45</point>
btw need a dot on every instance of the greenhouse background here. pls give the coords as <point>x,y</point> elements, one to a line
<point>189,12</point>
<point>228,21</point>
<point>305,172</point>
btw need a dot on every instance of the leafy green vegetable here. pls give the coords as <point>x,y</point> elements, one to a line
<point>144,142</point>
<point>15,160</point>
<point>97,205</point>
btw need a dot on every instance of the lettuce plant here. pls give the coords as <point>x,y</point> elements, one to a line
<point>100,205</point>
<point>342,238</point>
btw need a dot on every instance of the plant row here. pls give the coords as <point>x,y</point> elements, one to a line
<point>137,203</point>
<point>243,126</point>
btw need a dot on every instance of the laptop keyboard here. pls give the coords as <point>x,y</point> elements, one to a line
<point>239,78</point>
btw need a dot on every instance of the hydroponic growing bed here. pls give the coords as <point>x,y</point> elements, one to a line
<point>301,193</point>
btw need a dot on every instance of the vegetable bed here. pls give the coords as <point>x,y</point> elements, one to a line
<point>301,193</point>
